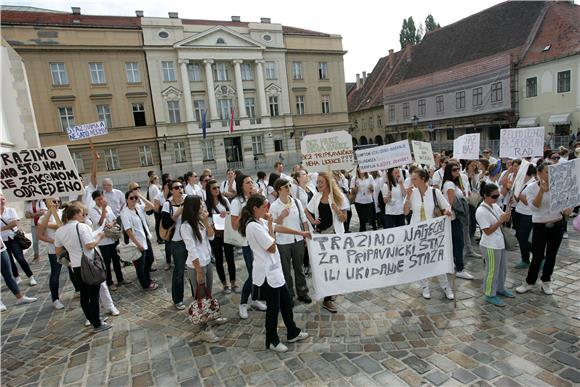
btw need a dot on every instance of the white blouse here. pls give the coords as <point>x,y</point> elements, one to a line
<point>428,203</point>
<point>313,208</point>
<point>395,205</point>
<point>196,249</point>
<point>363,193</point>
<point>266,265</point>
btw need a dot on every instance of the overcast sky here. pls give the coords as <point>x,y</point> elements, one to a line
<point>368,28</point>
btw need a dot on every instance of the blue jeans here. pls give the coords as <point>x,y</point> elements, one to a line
<point>179,254</point>
<point>6,268</point>
<point>457,236</point>
<point>54,279</point>
<point>247,289</point>
<point>15,252</point>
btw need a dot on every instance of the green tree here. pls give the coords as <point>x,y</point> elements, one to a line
<point>415,134</point>
<point>409,33</point>
<point>430,24</point>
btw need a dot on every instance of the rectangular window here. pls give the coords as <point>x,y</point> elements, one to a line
<point>250,103</point>
<point>97,73</point>
<point>198,108</point>
<point>460,100</point>
<point>325,104</point>
<point>363,123</point>
<point>439,104</point>
<point>132,70</point>
<point>531,87</point>
<point>406,110</point>
<point>297,70</point>
<point>564,81</point>
<point>58,73</point>
<point>300,105</point>
<point>168,70</point>
<point>247,74</point>
<point>450,134</point>
<point>496,92</point>
<point>79,162</point>
<point>145,155</point>
<point>323,70</point>
<point>224,106</point>
<point>104,113</point>
<point>371,123</point>
<point>207,149</point>
<point>174,115</point>
<point>67,117</point>
<point>139,114</point>
<point>391,113</point>
<point>271,70</point>
<point>179,152</point>
<point>221,71</point>
<point>258,145</point>
<point>478,96</point>
<point>278,146</point>
<point>274,106</point>
<point>379,121</point>
<point>194,72</point>
<point>112,159</point>
<point>421,107</point>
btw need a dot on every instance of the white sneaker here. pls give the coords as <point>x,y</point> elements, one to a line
<point>244,311</point>
<point>2,307</point>
<point>208,336</point>
<point>18,280</point>
<point>565,236</point>
<point>449,293</point>
<point>547,289</point>
<point>301,336</point>
<point>464,274</point>
<point>87,323</point>
<point>25,300</point>
<point>32,281</point>
<point>113,311</point>
<point>103,319</point>
<point>259,305</point>
<point>58,305</point>
<point>524,288</point>
<point>279,348</point>
<point>426,293</point>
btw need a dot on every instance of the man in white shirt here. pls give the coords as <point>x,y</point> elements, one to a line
<point>279,170</point>
<point>228,186</point>
<point>487,155</point>
<point>114,197</point>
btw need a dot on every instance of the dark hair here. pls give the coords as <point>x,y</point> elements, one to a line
<point>70,209</point>
<point>261,175</point>
<point>358,173</point>
<point>273,177</point>
<point>127,194</point>
<point>391,179</point>
<point>485,163</point>
<point>209,197</point>
<point>531,170</point>
<point>517,161</point>
<point>187,176</point>
<point>190,214</point>
<point>448,174</point>
<point>487,188</point>
<point>96,194</point>
<point>277,163</point>
<point>247,214</point>
<point>149,173</point>
<point>279,183</point>
<point>240,186</point>
<point>422,173</point>
<point>543,165</point>
<point>165,177</point>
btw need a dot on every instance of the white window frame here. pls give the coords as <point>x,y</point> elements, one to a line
<point>250,104</point>
<point>194,72</point>
<point>179,151</point>
<point>460,100</point>
<point>168,70</point>
<point>247,73</point>
<point>104,114</point>
<point>421,107</point>
<point>406,110</point>
<point>440,104</point>
<point>225,108</point>
<point>198,108</point>
<point>322,70</point>
<point>274,106</point>
<point>325,104</point>
<point>79,162</point>
<point>568,81</point>
<point>66,113</point>
<point>477,96</point>
<point>300,105</point>
<point>112,159</point>
<point>145,155</point>
<point>97,71</point>
<point>221,71</point>
<point>173,112</point>
<point>392,113</point>
<point>132,71</point>
<point>297,70</point>
<point>496,92</point>
<point>58,74</point>
<point>207,149</point>
<point>258,145</point>
<point>270,67</point>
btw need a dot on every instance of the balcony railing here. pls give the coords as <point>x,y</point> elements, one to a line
<point>236,165</point>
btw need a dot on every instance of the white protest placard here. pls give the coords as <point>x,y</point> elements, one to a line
<point>384,157</point>
<point>423,153</point>
<point>219,223</point>
<point>521,142</point>
<point>33,174</point>
<point>466,147</point>
<point>327,151</point>
<point>564,179</point>
<point>80,132</point>
<point>346,263</point>
<point>520,177</point>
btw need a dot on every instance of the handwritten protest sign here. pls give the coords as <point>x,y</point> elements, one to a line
<point>564,181</point>
<point>423,153</point>
<point>346,263</point>
<point>466,147</point>
<point>32,174</point>
<point>384,157</point>
<point>521,142</point>
<point>80,132</point>
<point>321,152</point>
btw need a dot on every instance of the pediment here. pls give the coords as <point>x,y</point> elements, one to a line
<point>171,93</point>
<point>273,90</point>
<point>219,37</point>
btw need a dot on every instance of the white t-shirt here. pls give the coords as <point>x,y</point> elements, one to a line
<point>8,216</point>
<point>378,185</point>
<point>437,179</point>
<point>39,206</point>
<point>543,213</point>
<point>313,208</point>
<point>429,204</point>
<point>153,191</point>
<point>196,249</point>
<point>364,194</point>
<point>271,197</point>
<point>177,234</point>
<point>225,186</point>
<point>291,221</point>
<point>236,209</point>
<point>486,219</point>
<point>395,205</point>
<point>266,265</point>
<point>135,220</point>
<point>95,216</point>
<point>193,190</point>
<point>67,237</point>
<point>50,232</point>
<point>115,199</point>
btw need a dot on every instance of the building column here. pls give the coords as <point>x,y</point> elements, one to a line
<point>186,90</point>
<point>240,89</point>
<point>261,89</point>
<point>210,89</point>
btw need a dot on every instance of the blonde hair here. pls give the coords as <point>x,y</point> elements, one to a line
<point>337,196</point>
<point>71,209</point>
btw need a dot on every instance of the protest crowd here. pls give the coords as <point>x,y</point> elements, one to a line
<point>493,205</point>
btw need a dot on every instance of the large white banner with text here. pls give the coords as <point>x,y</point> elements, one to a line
<point>327,151</point>
<point>564,179</point>
<point>384,157</point>
<point>521,142</point>
<point>466,147</point>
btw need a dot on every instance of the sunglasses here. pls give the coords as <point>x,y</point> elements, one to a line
<point>215,187</point>
<point>494,196</point>
<point>133,197</point>
<point>455,169</point>
<point>177,187</point>
<point>286,186</point>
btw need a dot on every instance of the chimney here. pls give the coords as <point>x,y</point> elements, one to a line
<point>265,20</point>
<point>139,13</point>
<point>173,15</point>
<point>408,50</point>
<point>358,81</point>
<point>76,10</point>
<point>364,77</point>
<point>391,57</point>
<point>236,18</point>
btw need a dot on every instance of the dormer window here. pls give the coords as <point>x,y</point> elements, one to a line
<point>220,41</point>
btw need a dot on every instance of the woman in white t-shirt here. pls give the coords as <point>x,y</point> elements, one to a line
<point>490,218</point>
<point>158,203</point>
<point>153,192</point>
<point>362,188</point>
<point>393,195</point>
<point>522,219</point>
<point>34,210</point>
<point>257,226</point>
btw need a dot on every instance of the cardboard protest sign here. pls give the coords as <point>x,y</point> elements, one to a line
<point>521,142</point>
<point>33,174</point>
<point>80,132</point>
<point>346,263</point>
<point>384,157</point>
<point>466,147</point>
<point>564,179</point>
<point>423,153</point>
<point>327,151</point>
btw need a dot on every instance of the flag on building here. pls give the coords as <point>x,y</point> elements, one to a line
<point>203,124</point>
<point>232,120</point>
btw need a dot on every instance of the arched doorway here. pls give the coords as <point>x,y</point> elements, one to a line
<point>363,140</point>
<point>354,141</point>
<point>378,140</point>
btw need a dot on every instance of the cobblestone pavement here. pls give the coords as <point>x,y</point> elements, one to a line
<point>382,337</point>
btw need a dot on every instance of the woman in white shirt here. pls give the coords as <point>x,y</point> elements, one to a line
<point>272,194</point>
<point>522,219</point>
<point>547,234</point>
<point>153,192</point>
<point>256,224</point>
<point>158,202</point>
<point>490,218</point>
<point>10,281</point>
<point>362,188</point>
<point>301,191</point>
<point>420,199</point>
<point>393,195</point>
<point>34,210</point>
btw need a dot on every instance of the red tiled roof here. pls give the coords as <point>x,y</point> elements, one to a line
<point>67,19</point>
<point>560,30</point>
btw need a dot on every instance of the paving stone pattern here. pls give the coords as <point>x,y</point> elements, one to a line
<point>380,337</point>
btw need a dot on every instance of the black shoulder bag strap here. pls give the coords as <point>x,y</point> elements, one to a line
<point>299,214</point>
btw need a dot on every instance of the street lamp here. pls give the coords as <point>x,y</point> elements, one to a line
<point>415,121</point>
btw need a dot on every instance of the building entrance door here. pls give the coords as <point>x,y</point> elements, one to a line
<point>234,155</point>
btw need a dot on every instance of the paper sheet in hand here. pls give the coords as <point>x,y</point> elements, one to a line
<point>219,223</point>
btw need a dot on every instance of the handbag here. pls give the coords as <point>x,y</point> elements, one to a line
<point>510,240</point>
<point>436,209</point>
<point>203,309</point>
<point>20,238</point>
<point>231,236</point>
<point>92,269</point>
<point>129,252</point>
<point>167,233</point>
<point>474,199</point>
<point>115,232</point>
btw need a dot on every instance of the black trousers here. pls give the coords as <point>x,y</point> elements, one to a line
<point>348,218</point>
<point>219,249</point>
<point>109,253</point>
<point>523,224</point>
<point>15,253</point>
<point>278,300</point>
<point>545,244</point>
<point>364,214</point>
<point>391,221</point>
<point>89,299</point>
<point>157,216</point>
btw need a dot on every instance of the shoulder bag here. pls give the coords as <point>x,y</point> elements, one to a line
<point>231,236</point>
<point>167,233</point>
<point>93,270</point>
<point>20,238</point>
<point>437,212</point>
<point>511,242</point>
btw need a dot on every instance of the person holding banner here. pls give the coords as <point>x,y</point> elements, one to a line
<point>393,195</point>
<point>423,201</point>
<point>523,219</point>
<point>362,188</point>
<point>257,225</point>
<point>547,234</point>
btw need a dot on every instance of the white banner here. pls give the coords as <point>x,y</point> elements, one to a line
<point>346,263</point>
<point>80,132</point>
<point>564,179</point>
<point>466,147</point>
<point>521,142</point>
<point>384,157</point>
<point>327,151</point>
<point>33,174</point>
<point>423,153</point>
